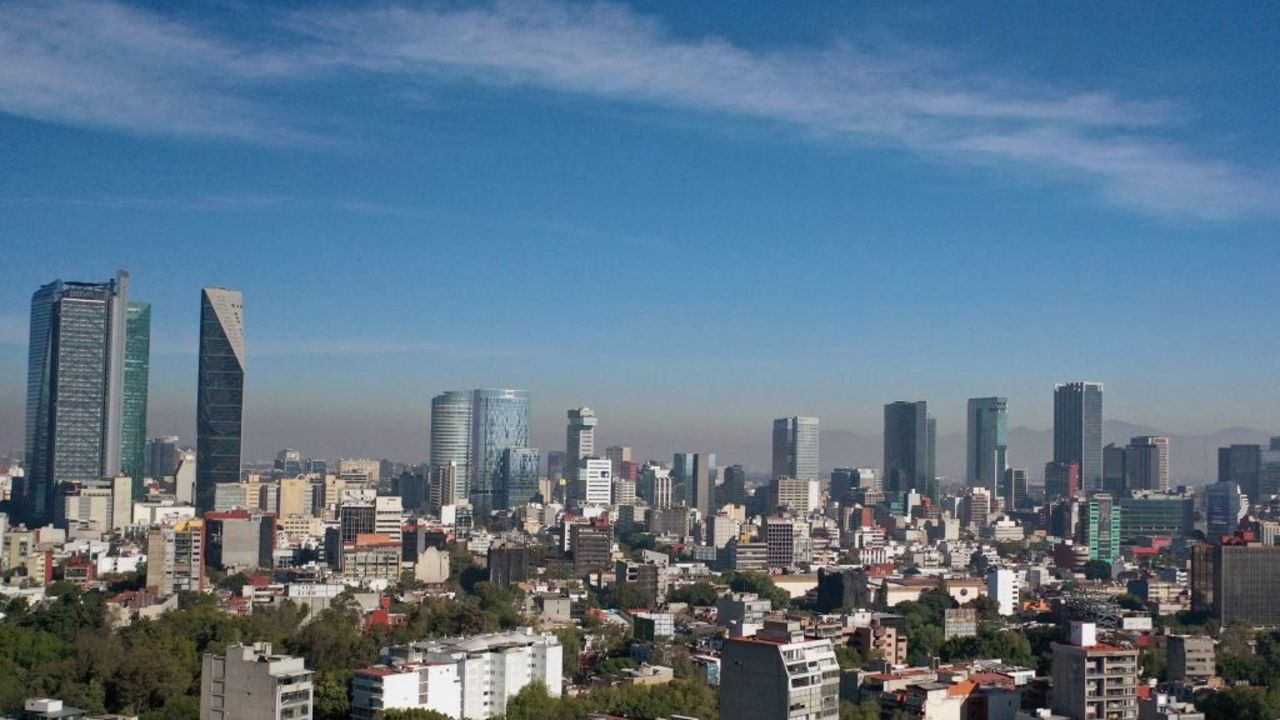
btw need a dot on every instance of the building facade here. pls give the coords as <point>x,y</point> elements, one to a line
<point>249,682</point>
<point>795,448</point>
<point>987,442</point>
<point>778,675</point>
<point>219,392</point>
<point>1077,429</point>
<point>499,420</point>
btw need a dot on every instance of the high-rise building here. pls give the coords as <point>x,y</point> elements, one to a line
<point>1005,587</point>
<point>162,457</point>
<point>1146,463</point>
<point>1061,480</point>
<point>616,455</point>
<point>655,486</point>
<point>734,490</point>
<point>219,393</point>
<point>519,477</point>
<point>249,682</point>
<point>1102,529</point>
<point>137,371</point>
<point>499,420</point>
<point>1255,469</point>
<point>846,480</point>
<point>795,448</point>
<point>779,674</point>
<point>594,485</point>
<point>907,450</point>
<point>75,390</point>
<point>175,557</point>
<point>1077,429</point>
<point>1013,489</point>
<point>1224,507</point>
<point>682,477</point>
<point>555,465</point>
<point>1246,583</point>
<point>451,436</point>
<point>580,439</point>
<point>796,495</point>
<point>987,444</point>
<point>1093,680</point>
<point>702,487</point>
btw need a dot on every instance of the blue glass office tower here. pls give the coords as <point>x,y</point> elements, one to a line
<point>1077,430</point>
<point>499,420</point>
<point>986,456</point>
<point>75,375</point>
<point>219,392</point>
<point>137,371</point>
<point>519,477</point>
<point>909,436</point>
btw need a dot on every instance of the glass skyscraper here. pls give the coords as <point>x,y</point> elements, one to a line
<point>795,448</point>
<point>519,477</point>
<point>137,370</point>
<point>451,436</point>
<point>219,392</point>
<point>1077,429</point>
<point>74,375</point>
<point>499,420</point>
<point>908,448</point>
<point>987,442</point>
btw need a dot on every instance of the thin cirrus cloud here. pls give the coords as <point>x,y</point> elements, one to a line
<point>110,65</point>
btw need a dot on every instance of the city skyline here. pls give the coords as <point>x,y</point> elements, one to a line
<point>665,205</point>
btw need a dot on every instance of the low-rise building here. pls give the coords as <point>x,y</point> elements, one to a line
<point>248,682</point>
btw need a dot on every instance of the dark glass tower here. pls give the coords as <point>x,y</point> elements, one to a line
<point>137,370</point>
<point>74,376</point>
<point>1077,429</point>
<point>219,392</point>
<point>908,456</point>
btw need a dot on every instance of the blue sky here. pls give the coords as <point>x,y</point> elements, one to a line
<point>693,217</point>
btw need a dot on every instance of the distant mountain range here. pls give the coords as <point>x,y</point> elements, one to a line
<point>1193,459</point>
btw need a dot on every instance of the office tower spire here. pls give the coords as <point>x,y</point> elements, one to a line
<point>75,374</point>
<point>1077,429</point>
<point>987,444</point>
<point>219,392</point>
<point>795,448</point>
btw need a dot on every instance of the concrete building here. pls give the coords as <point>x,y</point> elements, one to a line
<point>780,539</point>
<point>883,640</point>
<point>466,678</point>
<point>1005,587</point>
<point>616,455</point>
<point>793,494</point>
<point>1246,582</point>
<point>656,486</point>
<point>1190,658</point>
<point>594,482</point>
<point>1093,680</point>
<point>239,540</point>
<point>175,557</point>
<point>248,682</point>
<point>778,675</point>
<point>742,614</point>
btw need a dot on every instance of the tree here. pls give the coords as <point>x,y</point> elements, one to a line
<point>867,710</point>
<point>762,585</point>
<point>632,596</point>
<point>699,594</point>
<point>1097,570</point>
<point>330,694</point>
<point>848,657</point>
<point>1129,601</point>
<point>412,714</point>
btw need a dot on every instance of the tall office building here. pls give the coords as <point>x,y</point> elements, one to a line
<point>1013,489</point>
<point>682,478</point>
<point>616,455</point>
<point>451,438</point>
<point>137,371</point>
<point>1061,480</point>
<point>734,489</point>
<point>795,448</point>
<point>987,444</point>
<point>1255,469</point>
<point>702,487</point>
<point>1150,464</point>
<point>519,477</point>
<point>75,390</point>
<point>1224,507</point>
<point>580,439</point>
<point>219,392</point>
<point>907,450</point>
<point>162,457</point>
<point>1077,429</point>
<point>1102,529</point>
<point>499,420</point>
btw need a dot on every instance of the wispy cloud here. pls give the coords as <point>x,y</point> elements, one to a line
<point>110,65</point>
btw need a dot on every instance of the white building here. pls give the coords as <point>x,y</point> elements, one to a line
<point>797,494</point>
<point>249,683</point>
<point>596,479</point>
<point>779,674</point>
<point>389,516</point>
<point>469,678</point>
<point>1005,587</point>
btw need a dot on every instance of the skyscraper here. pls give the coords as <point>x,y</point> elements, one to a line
<point>451,438</point>
<point>987,444</point>
<point>137,371</point>
<point>702,488</point>
<point>1153,476</point>
<point>907,448</point>
<point>1077,429</point>
<point>795,448</point>
<point>75,378</point>
<point>682,478</point>
<point>499,420</point>
<point>1255,469</point>
<point>219,392</point>
<point>519,477</point>
<point>580,439</point>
